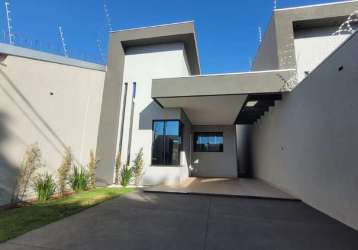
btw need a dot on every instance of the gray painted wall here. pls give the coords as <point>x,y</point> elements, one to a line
<point>266,58</point>
<point>216,164</point>
<point>111,106</point>
<point>307,144</point>
<point>277,50</point>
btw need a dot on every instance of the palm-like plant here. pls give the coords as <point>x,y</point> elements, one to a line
<point>44,186</point>
<point>79,180</point>
<point>126,175</point>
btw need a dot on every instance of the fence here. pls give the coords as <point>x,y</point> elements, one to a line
<point>55,48</point>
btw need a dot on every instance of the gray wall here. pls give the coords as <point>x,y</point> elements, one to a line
<point>216,164</point>
<point>110,110</point>
<point>266,58</point>
<point>277,50</point>
<point>307,144</point>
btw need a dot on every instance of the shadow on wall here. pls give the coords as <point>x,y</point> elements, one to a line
<point>8,171</point>
<point>244,151</point>
<point>154,112</point>
<point>34,111</point>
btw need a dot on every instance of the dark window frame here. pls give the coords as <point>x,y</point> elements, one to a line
<point>180,142</point>
<point>208,134</point>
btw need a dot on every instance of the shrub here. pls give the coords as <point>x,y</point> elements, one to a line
<point>92,165</point>
<point>79,180</point>
<point>138,166</point>
<point>126,175</point>
<point>44,186</point>
<point>64,170</point>
<point>30,163</point>
<point>118,168</point>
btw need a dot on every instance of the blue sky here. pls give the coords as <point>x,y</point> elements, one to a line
<point>227,30</point>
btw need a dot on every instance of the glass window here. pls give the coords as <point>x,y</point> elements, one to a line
<point>166,142</point>
<point>209,142</point>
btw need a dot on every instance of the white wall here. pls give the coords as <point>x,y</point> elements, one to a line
<point>142,64</point>
<point>29,114</point>
<point>312,46</point>
<point>216,164</point>
<point>307,143</point>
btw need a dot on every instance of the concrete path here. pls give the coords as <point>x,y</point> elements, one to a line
<point>175,221</point>
<point>223,186</point>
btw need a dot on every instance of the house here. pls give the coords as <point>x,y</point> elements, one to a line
<point>291,121</point>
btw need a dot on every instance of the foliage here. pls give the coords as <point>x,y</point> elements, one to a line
<point>138,166</point>
<point>127,174</point>
<point>118,168</point>
<point>14,222</point>
<point>79,180</point>
<point>92,165</point>
<point>64,169</point>
<point>44,186</point>
<point>30,163</point>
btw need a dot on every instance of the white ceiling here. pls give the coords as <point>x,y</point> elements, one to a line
<point>208,110</point>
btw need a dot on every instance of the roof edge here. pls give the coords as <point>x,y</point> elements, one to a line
<point>152,26</point>
<point>164,33</point>
<point>315,5</point>
<point>48,57</point>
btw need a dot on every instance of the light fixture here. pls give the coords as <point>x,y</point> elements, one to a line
<point>251,103</point>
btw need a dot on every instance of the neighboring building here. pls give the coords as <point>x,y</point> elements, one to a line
<point>290,121</point>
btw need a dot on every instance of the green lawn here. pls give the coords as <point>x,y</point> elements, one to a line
<point>14,222</point>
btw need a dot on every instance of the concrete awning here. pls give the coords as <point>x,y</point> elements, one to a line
<point>218,99</point>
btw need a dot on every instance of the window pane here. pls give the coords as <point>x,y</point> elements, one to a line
<point>172,150</point>
<point>172,128</point>
<point>166,144</point>
<point>158,143</point>
<point>208,142</point>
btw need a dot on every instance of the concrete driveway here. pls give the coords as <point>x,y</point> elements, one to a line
<point>175,221</point>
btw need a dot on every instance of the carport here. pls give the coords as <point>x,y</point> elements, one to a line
<point>227,99</point>
<point>224,105</point>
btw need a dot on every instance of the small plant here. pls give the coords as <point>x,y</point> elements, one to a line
<point>138,166</point>
<point>63,170</point>
<point>44,186</point>
<point>30,163</point>
<point>118,168</point>
<point>126,175</point>
<point>79,180</point>
<point>92,165</point>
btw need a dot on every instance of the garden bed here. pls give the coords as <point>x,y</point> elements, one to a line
<point>17,221</point>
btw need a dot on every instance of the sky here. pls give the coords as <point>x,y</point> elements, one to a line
<point>227,30</point>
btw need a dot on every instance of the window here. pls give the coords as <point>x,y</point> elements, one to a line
<point>166,142</point>
<point>209,142</point>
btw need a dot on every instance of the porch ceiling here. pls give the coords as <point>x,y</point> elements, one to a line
<point>219,99</point>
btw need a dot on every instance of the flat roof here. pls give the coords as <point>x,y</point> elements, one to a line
<point>255,82</point>
<point>218,99</point>
<point>168,33</point>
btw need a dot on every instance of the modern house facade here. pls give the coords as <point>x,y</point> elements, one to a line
<point>290,121</point>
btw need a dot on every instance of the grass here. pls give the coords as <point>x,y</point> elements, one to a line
<point>17,221</point>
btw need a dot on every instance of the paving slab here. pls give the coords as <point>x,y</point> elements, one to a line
<point>175,221</point>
